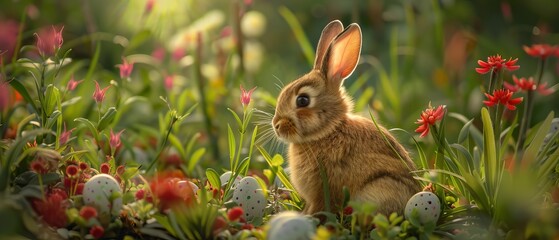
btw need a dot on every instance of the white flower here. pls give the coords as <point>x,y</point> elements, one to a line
<point>253,24</point>
<point>253,55</point>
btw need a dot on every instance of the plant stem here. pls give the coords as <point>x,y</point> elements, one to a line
<point>163,144</point>
<point>203,101</point>
<point>527,114</point>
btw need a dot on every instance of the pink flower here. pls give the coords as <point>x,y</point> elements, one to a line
<point>8,41</point>
<point>114,139</point>
<point>178,54</point>
<point>72,84</point>
<point>246,96</point>
<point>65,135</point>
<point>149,5</point>
<point>99,94</point>
<point>158,53</point>
<point>503,97</point>
<point>48,42</point>
<point>125,68</point>
<point>495,64</point>
<point>429,117</point>
<point>168,82</point>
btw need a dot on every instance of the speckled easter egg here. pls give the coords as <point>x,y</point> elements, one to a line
<point>224,178</point>
<point>182,184</point>
<point>99,191</point>
<point>426,204</point>
<point>290,225</point>
<point>250,197</point>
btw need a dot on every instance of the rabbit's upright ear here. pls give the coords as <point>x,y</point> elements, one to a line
<point>328,34</point>
<point>343,55</point>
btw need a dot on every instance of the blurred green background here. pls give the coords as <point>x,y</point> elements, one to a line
<point>414,52</point>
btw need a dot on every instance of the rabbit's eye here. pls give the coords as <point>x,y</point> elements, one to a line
<point>303,100</point>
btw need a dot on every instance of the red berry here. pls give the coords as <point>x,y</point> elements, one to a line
<point>234,213</point>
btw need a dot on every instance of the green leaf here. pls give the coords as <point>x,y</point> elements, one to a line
<point>299,33</point>
<point>195,158</point>
<point>239,122</point>
<point>492,173</point>
<point>364,99</point>
<point>137,41</point>
<point>213,177</point>
<point>23,92</point>
<point>89,126</point>
<point>231,141</point>
<point>464,132</point>
<point>529,156</point>
<point>107,119</point>
<point>94,61</point>
<point>52,99</point>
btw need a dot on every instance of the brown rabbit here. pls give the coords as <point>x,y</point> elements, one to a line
<point>313,114</point>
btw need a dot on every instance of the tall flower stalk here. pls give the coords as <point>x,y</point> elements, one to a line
<point>542,51</point>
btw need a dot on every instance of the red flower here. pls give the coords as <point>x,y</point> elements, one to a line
<point>246,96</point>
<point>83,166</point>
<point>97,231</point>
<point>429,117</point>
<point>247,226</point>
<point>170,192</point>
<point>125,68</point>
<point>88,212</point>
<point>503,97</point>
<point>140,194</point>
<point>496,63</point>
<point>72,84</point>
<point>348,210</point>
<point>234,213</point>
<point>527,85</point>
<point>40,166</point>
<point>79,188</point>
<point>120,169</point>
<point>48,42</point>
<point>99,94</point>
<point>105,168</point>
<point>53,209</point>
<point>173,160</point>
<point>540,50</point>
<point>72,171</point>
<point>219,224</point>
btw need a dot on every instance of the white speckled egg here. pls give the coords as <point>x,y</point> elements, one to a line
<point>224,178</point>
<point>99,191</point>
<point>249,196</point>
<point>183,183</point>
<point>290,225</point>
<point>427,204</point>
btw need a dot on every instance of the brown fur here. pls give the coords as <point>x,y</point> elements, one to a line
<point>325,135</point>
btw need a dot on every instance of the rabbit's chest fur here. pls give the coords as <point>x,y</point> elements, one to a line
<point>350,156</point>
